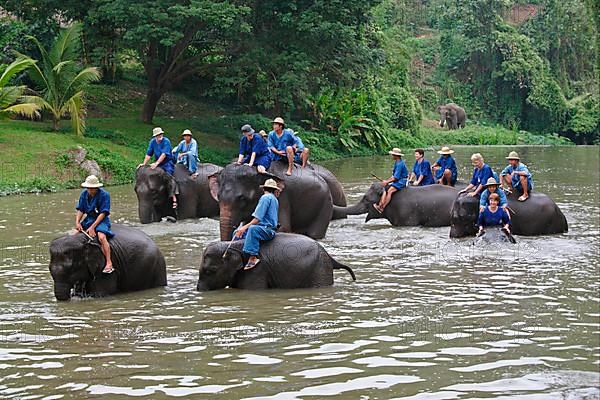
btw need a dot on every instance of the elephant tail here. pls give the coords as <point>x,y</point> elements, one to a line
<point>337,265</point>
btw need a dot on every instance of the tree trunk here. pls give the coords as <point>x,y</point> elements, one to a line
<point>150,103</point>
<point>55,124</point>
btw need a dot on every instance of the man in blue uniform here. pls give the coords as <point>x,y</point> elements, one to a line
<point>160,148</point>
<point>396,182</point>
<point>445,167</point>
<point>281,143</point>
<point>421,172</point>
<point>481,173</point>
<point>253,150</point>
<point>264,224</point>
<point>94,204</point>
<point>186,152</point>
<point>517,176</point>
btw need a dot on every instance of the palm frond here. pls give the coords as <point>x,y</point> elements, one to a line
<point>38,101</point>
<point>29,110</point>
<point>67,44</point>
<point>9,95</point>
<point>86,76</point>
<point>20,64</point>
<point>76,109</point>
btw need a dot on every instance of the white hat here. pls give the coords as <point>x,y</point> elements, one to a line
<point>91,182</point>
<point>187,132</point>
<point>279,120</point>
<point>491,182</point>
<point>157,131</point>
<point>396,152</point>
<point>445,150</point>
<point>270,183</point>
<point>513,155</point>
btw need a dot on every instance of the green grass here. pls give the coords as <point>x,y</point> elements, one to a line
<point>34,156</point>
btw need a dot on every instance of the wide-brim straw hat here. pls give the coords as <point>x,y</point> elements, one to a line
<point>157,131</point>
<point>187,132</point>
<point>491,182</point>
<point>270,183</point>
<point>395,152</point>
<point>278,120</point>
<point>91,182</point>
<point>513,155</point>
<point>445,150</point>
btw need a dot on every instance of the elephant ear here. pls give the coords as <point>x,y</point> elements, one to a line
<point>213,185</point>
<point>439,108</point>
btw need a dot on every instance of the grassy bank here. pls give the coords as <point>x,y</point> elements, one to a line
<point>35,157</point>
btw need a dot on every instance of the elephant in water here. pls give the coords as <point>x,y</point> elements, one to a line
<point>337,192</point>
<point>154,189</point>
<point>305,204</point>
<point>287,262</point>
<point>453,115</point>
<point>493,235</point>
<point>539,215</point>
<point>412,206</point>
<point>76,263</point>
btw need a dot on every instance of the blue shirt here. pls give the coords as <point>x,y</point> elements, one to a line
<point>256,145</point>
<point>485,195</point>
<point>266,210</point>
<point>280,143</point>
<point>520,168</point>
<point>481,176</point>
<point>93,206</point>
<point>190,150</point>
<point>400,172</point>
<point>446,163</point>
<point>488,218</point>
<point>298,143</point>
<point>157,149</point>
<point>423,168</point>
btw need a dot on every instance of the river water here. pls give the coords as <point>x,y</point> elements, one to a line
<point>428,318</point>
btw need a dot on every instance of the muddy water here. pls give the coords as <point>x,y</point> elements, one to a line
<point>428,318</point>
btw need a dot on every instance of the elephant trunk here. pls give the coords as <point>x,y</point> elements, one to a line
<point>227,223</point>
<point>356,209</point>
<point>147,212</point>
<point>62,291</point>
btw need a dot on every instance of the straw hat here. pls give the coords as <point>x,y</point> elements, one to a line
<point>491,182</point>
<point>157,131</point>
<point>279,120</point>
<point>187,132</point>
<point>445,150</point>
<point>270,183</point>
<point>91,182</point>
<point>513,155</point>
<point>396,152</point>
<point>247,129</point>
<point>262,133</point>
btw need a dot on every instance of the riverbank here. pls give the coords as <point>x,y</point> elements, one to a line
<point>36,158</point>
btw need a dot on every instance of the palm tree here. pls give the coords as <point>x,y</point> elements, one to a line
<point>11,94</point>
<point>61,79</point>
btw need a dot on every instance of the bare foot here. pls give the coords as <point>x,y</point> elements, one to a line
<point>288,172</point>
<point>108,269</point>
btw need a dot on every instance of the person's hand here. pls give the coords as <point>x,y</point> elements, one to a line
<point>180,156</point>
<point>462,191</point>
<point>238,162</point>
<point>481,209</point>
<point>507,227</point>
<point>140,165</point>
<point>153,165</point>
<point>91,231</point>
<point>472,194</point>
<point>384,183</point>
<point>240,232</point>
<point>78,227</point>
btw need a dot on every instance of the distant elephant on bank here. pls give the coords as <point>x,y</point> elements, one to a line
<point>288,261</point>
<point>412,206</point>
<point>453,115</point>
<point>76,263</point>
<point>154,189</point>
<point>305,204</point>
<point>539,215</point>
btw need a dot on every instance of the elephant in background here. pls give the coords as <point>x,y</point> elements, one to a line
<point>453,115</point>
<point>76,263</point>
<point>539,215</point>
<point>154,189</point>
<point>287,262</point>
<point>412,206</point>
<point>305,204</point>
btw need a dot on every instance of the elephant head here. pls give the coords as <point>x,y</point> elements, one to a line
<point>446,114</point>
<point>237,189</point>
<point>75,260</point>
<point>463,217</point>
<point>365,205</point>
<point>154,189</point>
<point>218,266</point>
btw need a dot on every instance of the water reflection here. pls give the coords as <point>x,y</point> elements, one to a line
<point>428,317</point>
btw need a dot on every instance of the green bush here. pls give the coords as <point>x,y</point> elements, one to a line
<point>119,169</point>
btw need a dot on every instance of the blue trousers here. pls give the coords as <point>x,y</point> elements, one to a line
<point>191,163</point>
<point>265,161</point>
<point>516,183</point>
<point>254,235</point>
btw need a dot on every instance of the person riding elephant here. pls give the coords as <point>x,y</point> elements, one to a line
<point>289,261</point>
<point>305,206</point>
<point>253,150</point>
<point>393,184</point>
<point>444,168</point>
<point>491,187</point>
<point>538,216</point>
<point>516,176</point>
<point>152,187</point>
<point>413,206</point>
<point>186,152</point>
<point>160,148</point>
<point>492,215</point>
<point>453,115</point>
<point>281,142</point>
<point>481,173</point>
<point>76,263</point>
<point>421,173</point>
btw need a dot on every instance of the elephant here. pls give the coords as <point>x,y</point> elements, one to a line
<point>154,189</point>
<point>337,192</point>
<point>412,206</point>
<point>76,263</point>
<point>539,215</point>
<point>305,204</point>
<point>452,114</point>
<point>289,261</point>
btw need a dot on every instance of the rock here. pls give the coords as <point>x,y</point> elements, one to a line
<point>91,167</point>
<point>77,155</point>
